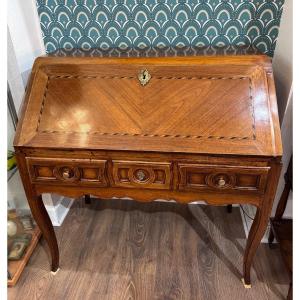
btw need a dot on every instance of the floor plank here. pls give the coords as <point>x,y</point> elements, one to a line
<point>121,249</point>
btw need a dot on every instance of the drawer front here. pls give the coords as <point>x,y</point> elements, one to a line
<point>137,174</point>
<point>222,178</point>
<point>67,171</point>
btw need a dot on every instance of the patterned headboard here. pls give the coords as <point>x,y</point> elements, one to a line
<point>154,24</point>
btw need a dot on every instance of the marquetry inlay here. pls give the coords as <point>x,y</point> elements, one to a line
<point>135,115</point>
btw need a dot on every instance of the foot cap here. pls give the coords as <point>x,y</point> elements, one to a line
<point>246,286</point>
<point>54,273</point>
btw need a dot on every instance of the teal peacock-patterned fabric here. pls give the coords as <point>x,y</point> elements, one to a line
<point>159,24</point>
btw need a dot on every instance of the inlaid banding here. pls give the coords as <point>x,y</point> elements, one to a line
<point>171,136</point>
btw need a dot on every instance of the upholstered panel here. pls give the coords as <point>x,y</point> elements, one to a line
<point>126,24</point>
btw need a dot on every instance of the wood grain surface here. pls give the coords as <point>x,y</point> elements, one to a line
<point>196,105</point>
<point>121,249</point>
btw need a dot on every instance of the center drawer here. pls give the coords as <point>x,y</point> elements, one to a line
<point>139,174</point>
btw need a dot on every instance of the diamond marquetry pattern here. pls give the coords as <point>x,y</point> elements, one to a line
<point>190,105</point>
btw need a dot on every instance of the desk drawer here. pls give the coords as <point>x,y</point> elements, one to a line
<point>138,174</point>
<point>222,178</point>
<point>67,171</point>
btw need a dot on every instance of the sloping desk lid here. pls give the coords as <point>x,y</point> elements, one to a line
<point>213,105</point>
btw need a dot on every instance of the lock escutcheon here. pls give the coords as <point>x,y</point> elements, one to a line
<point>144,77</point>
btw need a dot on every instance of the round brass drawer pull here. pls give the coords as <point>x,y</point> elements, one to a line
<point>140,175</point>
<point>66,174</point>
<point>221,182</point>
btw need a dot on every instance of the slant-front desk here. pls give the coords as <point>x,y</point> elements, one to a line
<point>180,128</point>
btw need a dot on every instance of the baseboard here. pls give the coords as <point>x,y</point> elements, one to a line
<point>58,212</point>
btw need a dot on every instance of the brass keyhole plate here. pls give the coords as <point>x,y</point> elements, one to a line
<point>144,77</point>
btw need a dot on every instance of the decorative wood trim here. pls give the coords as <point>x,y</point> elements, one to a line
<point>156,77</point>
<point>152,135</point>
<point>252,109</point>
<point>147,195</point>
<point>42,105</point>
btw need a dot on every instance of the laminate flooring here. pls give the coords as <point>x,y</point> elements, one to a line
<point>122,249</point>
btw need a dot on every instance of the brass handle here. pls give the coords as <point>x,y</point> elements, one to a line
<point>66,174</point>
<point>221,182</point>
<point>140,175</point>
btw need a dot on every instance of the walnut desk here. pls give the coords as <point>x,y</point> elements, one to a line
<point>182,128</point>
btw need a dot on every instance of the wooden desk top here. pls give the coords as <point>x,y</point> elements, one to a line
<point>203,105</point>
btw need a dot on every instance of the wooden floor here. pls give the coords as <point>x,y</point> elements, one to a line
<point>121,249</point>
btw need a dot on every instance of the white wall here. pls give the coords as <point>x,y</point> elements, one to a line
<point>24,28</point>
<point>283,58</point>
<point>283,73</point>
<point>10,132</point>
<point>14,77</point>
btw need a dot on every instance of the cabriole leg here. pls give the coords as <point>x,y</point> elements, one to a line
<point>257,231</point>
<point>43,221</point>
<point>260,222</point>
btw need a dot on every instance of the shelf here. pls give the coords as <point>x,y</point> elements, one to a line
<point>16,267</point>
